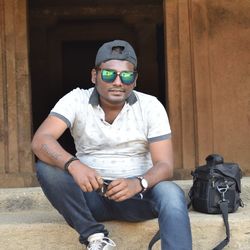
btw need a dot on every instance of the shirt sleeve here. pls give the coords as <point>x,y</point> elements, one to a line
<point>158,122</point>
<point>66,107</point>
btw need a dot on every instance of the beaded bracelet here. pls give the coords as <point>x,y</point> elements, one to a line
<point>66,165</point>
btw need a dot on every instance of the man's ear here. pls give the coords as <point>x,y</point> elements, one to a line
<point>93,76</point>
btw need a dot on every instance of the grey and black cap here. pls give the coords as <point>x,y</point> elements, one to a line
<point>107,52</point>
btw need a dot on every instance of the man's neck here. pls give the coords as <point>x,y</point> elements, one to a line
<point>111,110</point>
<point>107,106</point>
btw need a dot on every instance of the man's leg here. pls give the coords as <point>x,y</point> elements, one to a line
<point>171,206</point>
<point>66,196</point>
<point>166,201</point>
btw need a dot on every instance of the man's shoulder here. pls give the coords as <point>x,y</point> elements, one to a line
<point>142,95</point>
<point>144,98</point>
<point>80,94</point>
<point>80,91</point>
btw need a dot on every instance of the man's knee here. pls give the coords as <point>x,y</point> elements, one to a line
<point>169,194</point>
<point>50,175</point>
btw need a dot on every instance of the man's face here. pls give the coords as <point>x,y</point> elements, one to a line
<point>114,93</point>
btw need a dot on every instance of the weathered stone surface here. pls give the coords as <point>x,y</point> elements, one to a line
<point>34,230</point>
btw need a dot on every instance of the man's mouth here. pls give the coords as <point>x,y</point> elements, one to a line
<point>116,90</point>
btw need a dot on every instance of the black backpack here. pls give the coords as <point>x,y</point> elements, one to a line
<point>215,182</point>
<point>216,190</point>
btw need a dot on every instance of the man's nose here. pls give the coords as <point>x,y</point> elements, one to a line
<point>117,80</point>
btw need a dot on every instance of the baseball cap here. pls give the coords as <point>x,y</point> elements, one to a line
<point>106,52</point>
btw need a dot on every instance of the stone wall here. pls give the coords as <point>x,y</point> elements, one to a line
<point>208,44</point>
<point>207,50</point>
<point>15,116</point>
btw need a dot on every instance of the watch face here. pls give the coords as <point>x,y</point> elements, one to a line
<point>144,183</point>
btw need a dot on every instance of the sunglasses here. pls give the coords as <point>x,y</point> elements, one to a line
<point>126,77</point>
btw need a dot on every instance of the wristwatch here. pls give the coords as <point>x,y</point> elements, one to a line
<point>143,182</point>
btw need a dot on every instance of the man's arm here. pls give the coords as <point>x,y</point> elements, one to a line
<point>46,147</point>
<point>162,158</point>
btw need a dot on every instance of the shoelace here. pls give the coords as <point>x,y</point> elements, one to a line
<point>99,244</point>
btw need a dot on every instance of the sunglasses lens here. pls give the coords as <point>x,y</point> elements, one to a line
<point>128,77</point>
<point>108,75</point>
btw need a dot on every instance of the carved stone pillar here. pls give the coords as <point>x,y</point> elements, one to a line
<point>16,162</point>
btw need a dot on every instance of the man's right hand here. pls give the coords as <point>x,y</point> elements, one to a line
<point>87,178</point>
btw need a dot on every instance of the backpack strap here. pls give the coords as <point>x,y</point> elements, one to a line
<point>154,239</point>
<point>224,210</point>
<point>223,203</point>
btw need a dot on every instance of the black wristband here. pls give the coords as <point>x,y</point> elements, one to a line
<point>66,165</point>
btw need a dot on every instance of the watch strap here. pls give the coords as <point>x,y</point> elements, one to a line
<point>141,178</point>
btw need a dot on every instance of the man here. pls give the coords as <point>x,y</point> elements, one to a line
<point>124,156</point>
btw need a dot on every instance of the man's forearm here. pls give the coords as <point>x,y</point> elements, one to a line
<point>50,151</point>
<point>159,172</point>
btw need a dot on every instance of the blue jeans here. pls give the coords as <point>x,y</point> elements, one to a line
<point>84,211</point>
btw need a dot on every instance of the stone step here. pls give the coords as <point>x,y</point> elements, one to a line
<point>27,221</point>
<point>19,199</point>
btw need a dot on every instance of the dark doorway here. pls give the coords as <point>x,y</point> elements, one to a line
<point>64,38</point>
<point>77,62</point>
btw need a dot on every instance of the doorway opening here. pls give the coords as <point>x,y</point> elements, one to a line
<point>65,36</point>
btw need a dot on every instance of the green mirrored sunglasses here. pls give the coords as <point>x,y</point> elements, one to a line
<point>126,77</point>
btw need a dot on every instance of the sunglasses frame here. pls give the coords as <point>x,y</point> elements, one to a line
<point>118,73</point>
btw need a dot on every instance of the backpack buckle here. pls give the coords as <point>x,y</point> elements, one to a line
<point>222,190</point>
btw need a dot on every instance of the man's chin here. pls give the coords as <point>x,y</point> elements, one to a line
<point>117,99</point>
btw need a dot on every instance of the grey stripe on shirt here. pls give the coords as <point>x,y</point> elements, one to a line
<point>159,138</point>
<point>62,118</point>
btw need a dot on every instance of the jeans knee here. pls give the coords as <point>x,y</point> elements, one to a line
<point>169,195</point>
<point>51,176</point>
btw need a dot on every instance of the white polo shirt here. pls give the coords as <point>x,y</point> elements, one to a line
<point>120,149</point>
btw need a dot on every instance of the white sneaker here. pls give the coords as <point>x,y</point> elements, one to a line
<point>99,242</point>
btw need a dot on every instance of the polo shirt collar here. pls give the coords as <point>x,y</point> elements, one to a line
<point>94,98</point>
